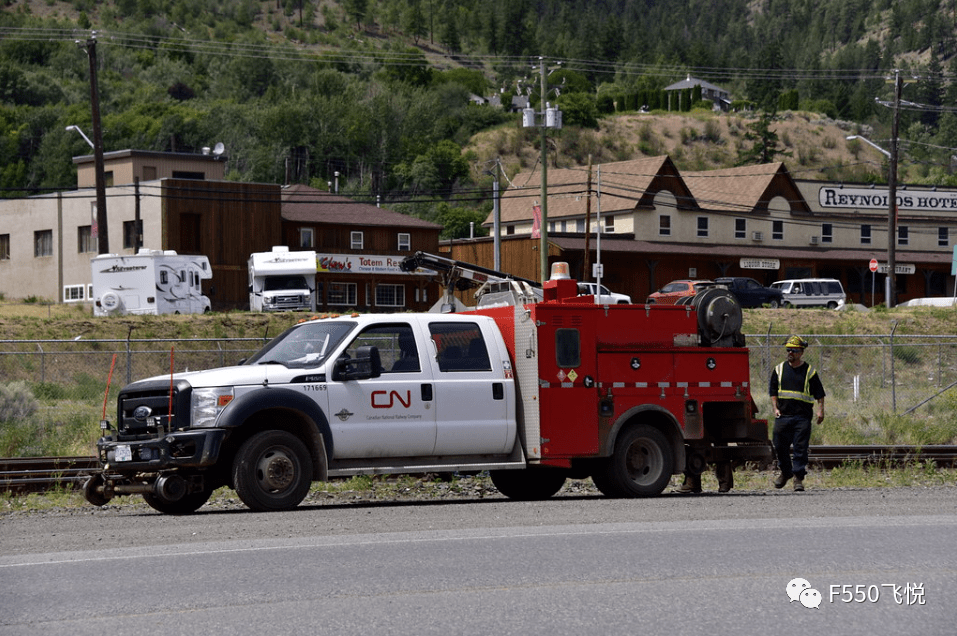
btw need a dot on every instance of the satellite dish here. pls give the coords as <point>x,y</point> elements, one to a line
<point>219,149</point>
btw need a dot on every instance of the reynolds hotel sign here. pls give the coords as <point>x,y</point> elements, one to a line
<point>868,199</point>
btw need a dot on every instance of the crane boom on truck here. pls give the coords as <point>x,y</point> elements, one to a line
<point>538,390</point>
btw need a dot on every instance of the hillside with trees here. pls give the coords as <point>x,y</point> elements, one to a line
<point>386,92</point>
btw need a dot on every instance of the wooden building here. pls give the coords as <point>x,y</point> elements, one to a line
<point>359,247</point>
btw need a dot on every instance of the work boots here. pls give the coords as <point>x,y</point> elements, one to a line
<point>781,480</point>
<point>798,484</point>
<point>690,486</point>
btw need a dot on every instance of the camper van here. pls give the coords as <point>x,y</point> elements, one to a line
<point>281,280</point>
<point>811,292</point>
<point>149,282</point>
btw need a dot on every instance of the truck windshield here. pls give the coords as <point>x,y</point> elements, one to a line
<point>284,283</point>
<point>305,345</point>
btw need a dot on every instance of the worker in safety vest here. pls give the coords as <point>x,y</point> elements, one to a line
<point>794,388</point>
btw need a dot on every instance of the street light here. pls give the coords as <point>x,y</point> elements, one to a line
<point>77,129</point>
<point>890,283</point>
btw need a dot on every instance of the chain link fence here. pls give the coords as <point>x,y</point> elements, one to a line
<point>869,377</point>
<point>865,376</point>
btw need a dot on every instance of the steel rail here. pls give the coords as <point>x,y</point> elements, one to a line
<point>43,474</point>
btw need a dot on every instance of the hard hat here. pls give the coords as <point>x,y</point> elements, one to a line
<point>796,342</point>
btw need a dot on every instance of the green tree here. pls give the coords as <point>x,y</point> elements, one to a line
<point>763,146</point>
<point>414,22</point>
<point>357,10</point>
<point>458,222</point>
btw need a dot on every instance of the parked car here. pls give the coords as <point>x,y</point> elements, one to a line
<point>606,297</point>
<point>674,291</point>
<point>750,293</point>
<point>812,292</point>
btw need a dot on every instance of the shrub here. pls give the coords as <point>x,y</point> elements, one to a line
<point>16,402</point>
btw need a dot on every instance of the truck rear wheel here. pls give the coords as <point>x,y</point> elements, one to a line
<point>640,466</point>
<point>272,471</point>
<point>528,484</point>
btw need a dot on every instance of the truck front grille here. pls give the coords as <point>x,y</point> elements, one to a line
<point>144,407</point>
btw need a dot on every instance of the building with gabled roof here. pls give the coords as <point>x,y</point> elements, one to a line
<point>359,247</point>
<point>654,224</point>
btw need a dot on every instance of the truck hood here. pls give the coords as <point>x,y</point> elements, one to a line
<point>236,376</point>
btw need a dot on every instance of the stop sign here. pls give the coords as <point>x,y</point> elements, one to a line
<point>873,265</point>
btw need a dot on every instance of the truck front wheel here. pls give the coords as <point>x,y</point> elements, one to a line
<point>272,471</point>
<point>528,484</point>
<point>640,466</point>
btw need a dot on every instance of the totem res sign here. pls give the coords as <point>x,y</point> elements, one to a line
<point>865,198</point>
<point>366,264</point>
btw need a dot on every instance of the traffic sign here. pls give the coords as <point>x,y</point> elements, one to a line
<point>873,265</point>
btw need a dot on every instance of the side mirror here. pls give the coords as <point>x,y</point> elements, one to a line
<point>367,364</point>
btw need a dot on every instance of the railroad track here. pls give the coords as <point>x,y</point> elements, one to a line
<point>42,474</point>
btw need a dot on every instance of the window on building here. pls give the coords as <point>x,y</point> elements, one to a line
<point>404,241</point>
<point>356,240</point>
<point>43,243</point>
<point>84,239</point>
<point>702,227</point>
<point>509,229</point>
<point>390,295</point>
<point>903,235</point>
<point>865,235</point>
<point>73,293</point>
<point>580,225</point>
<point>609,225</point>
<point>108,178</point>
<point>342,294</point>
<point>740,228</point>
<point>4,247</point>
<point>307,237</point>
<point>943,237</point>
<point>149,173</point>
<point>827,233</point>
<point>130,235</point>
<point>777,230</point>
<point>188,174</point>
<point>664,225</point>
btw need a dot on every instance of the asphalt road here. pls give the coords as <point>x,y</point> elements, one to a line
<point>882,562</point>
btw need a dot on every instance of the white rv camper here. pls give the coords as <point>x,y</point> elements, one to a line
<point>149,282</point>
<point>281,280</point>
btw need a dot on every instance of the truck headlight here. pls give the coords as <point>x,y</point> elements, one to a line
<point>207,404</point>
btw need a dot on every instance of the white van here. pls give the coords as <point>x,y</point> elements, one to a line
<point>812,292</point>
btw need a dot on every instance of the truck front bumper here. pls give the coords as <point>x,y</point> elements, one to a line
<point>196,448</point>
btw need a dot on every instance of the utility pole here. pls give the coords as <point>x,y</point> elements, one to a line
<point>549,118</point>
<point>543,246</point>
<point>891,280</point>
<point>102,232</point>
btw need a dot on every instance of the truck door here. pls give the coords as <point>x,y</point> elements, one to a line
<point>472,401</point>
<point>392,415</point>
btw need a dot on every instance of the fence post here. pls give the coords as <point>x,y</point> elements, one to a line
<point>129,358</point>
<point>893,377</point>
<point>43,370</point>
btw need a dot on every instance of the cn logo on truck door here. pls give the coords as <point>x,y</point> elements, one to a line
<point>392,415</point>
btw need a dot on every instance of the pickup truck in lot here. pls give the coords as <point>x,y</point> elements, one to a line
<point>536,386</point>
<point>750,293</point>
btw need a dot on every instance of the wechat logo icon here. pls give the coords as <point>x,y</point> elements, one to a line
<point>801,590</point>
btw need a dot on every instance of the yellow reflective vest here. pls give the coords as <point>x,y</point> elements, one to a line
<point>802,396</point>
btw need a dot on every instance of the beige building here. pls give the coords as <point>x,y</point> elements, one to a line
<point>660,225</point>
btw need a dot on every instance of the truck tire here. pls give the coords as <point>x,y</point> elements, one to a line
<point>272,471</point>
<point>640,466</point>
<point>528,484</point>
<point>189,504</point>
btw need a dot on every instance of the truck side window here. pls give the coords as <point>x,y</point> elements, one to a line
<point>460,347</point>
<point>567,348</point>
<point>396,345</point>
